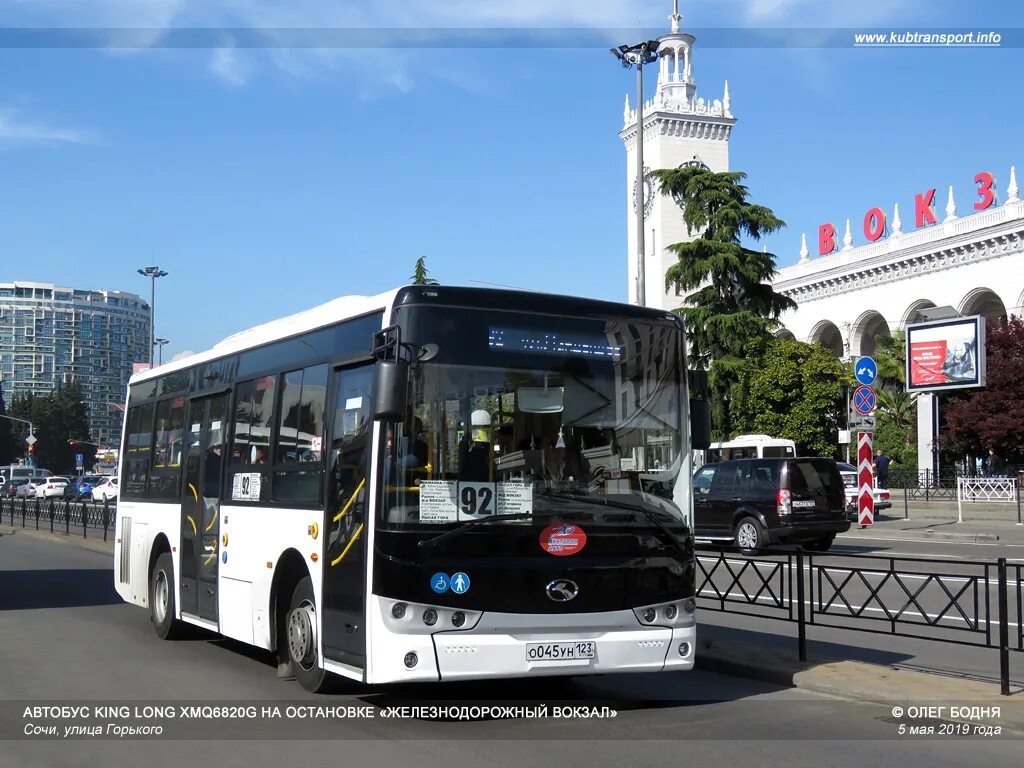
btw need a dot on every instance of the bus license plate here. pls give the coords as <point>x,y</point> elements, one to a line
<point>559,651</point>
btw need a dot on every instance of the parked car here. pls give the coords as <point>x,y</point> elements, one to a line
<point>82,487</point>
<point>883,498</point>
<point>51,487</point>
<point>107,489</point>
<point>757,502</point>
<point>26,489</point>
<point>11,488</point>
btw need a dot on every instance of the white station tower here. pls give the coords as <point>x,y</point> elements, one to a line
<point>680,128</point>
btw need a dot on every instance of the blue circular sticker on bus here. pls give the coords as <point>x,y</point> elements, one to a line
<point>224,557</point>
<point>460,583</point>
<point>439,582</point>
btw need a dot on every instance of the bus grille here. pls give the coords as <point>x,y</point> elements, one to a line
<point>126,549</point>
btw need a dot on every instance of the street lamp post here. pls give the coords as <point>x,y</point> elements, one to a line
<point>152,273</point>
<point>160,345</point>
<point>31,439</point>
<point>630,56</point>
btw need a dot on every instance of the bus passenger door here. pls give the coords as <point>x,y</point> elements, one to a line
<point>348,483</point>
<point>200,506</point>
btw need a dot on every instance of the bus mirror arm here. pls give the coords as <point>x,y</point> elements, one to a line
<point>700,424</point>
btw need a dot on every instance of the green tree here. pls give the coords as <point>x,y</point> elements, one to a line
<point>792,390</point>
<point>420,275</point>
<point>58,418</point>
<point>10,450</point>
<point>730,300</point>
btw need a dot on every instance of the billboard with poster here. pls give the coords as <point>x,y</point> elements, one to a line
<point>946,354</point>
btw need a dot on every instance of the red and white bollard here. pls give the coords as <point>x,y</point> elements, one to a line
<point>866,479</point>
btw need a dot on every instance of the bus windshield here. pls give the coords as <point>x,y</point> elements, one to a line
<point>533,416</point>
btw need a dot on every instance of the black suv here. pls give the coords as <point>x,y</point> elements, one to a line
<point>755,502</point>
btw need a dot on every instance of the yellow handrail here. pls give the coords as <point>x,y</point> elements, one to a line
<point>348,546</point>
<point>344,509</point>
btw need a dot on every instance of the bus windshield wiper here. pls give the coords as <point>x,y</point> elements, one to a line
<point>433,543</point>
<point>647,513</point>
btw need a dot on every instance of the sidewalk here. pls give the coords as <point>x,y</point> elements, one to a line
<point>937,520</point>
<point>866,682</point>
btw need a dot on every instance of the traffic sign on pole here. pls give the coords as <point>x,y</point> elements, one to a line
<point>865,370</point>
<point>31,440</point>
<point>865,479</point>
<point>864,400</point>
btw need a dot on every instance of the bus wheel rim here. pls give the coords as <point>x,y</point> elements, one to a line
<point>302,635</point>
<point>160,597</point>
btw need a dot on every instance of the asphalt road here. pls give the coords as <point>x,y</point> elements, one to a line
<point>66,638</point>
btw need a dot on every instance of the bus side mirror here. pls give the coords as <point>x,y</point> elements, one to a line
<point>390,390</point>
<point>700,424</point>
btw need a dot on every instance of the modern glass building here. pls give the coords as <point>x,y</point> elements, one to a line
<point>51,335</point>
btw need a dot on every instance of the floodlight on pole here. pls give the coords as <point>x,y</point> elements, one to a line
<point>152,272</point>
<point>636,56</point>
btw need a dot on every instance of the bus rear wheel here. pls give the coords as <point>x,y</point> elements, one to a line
<point>161,598</point>
<point>301,637</point>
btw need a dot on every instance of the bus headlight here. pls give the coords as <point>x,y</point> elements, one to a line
<point>678,613</point>
<point>430,617</point>
<point>458,619</point>
<point>398,610</point>
<point>411,659</point>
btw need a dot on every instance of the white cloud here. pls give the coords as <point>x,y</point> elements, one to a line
<point>230,66</point>
<point>182,355</point>
<point>15,129</point>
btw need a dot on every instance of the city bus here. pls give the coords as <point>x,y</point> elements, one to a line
<point>752,447</point>
<point>436,483</point>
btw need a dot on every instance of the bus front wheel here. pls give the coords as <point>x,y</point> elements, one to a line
<point>301,637</point>
<point>161,598</point>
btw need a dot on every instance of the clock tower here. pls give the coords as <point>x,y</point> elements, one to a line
<point>680,128</point>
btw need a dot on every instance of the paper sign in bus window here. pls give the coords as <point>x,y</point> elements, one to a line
<point>438,501</point>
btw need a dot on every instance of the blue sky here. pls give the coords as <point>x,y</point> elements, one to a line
<point>266,181</point>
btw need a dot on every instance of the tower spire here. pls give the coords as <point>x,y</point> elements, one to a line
<point>675,17</point>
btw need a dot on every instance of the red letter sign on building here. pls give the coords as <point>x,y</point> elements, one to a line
<point>874,224</point>
<point>923,207</point>
<point>985,181</point>
<point>826,239</point>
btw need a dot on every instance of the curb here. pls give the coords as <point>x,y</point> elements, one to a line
<point>94,544</point>
<point>967,538</point>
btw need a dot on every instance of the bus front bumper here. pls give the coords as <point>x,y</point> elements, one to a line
<point>495,645</point>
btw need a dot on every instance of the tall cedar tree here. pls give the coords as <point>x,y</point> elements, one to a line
<point>730,297</point>
<point>420,275</point>
<point>992,417</point>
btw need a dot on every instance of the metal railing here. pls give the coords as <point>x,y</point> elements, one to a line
<point>59,514</point>
<point>947,601</point>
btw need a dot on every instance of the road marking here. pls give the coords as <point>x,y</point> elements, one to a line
<point>786,604</point>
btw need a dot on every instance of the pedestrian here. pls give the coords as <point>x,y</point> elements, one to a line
<point>881,469</point>
<point>996,466</point>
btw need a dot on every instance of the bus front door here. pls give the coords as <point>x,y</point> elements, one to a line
<point>344,603</point>
<point>200,506</point>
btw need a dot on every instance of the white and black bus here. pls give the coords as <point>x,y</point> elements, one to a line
<point>436,483</point>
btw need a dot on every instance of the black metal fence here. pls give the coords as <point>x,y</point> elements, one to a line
<point>60,515</point>
<point>949,601</point>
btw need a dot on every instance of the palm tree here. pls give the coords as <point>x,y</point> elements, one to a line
<point>899,406</point>
<point>730,301</point>
<point>891,356</point>
<point>419,273</point>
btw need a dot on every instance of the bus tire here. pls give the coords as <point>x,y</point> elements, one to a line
<point>161,598</point>
<point>749,536</point>
<point>301,638</point>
